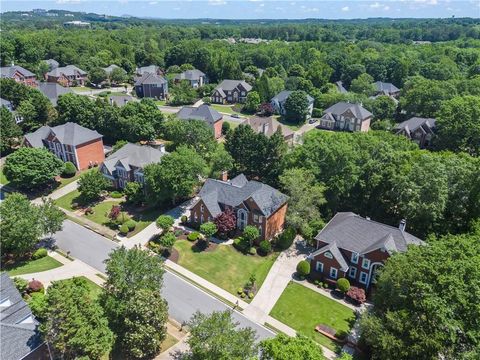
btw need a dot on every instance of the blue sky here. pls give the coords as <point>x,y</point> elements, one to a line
<point>261,9</point>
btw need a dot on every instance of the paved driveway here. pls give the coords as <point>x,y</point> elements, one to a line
<point>183,298</point>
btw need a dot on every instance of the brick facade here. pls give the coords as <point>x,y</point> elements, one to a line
<point>90,153</point>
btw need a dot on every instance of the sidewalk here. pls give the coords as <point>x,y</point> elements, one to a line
<point>59,192</point>
<point>276,281</point>
<point>68,270</point>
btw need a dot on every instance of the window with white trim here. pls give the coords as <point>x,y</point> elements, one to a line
<point>353,272</point>
<point>363,277</point>
<point>354,258</point>
<point>319,266</point>
<point>260,230</point>
<point>365,263</point>
<point>333,272</point>
<point>328,254</point>
<point>255,218</point>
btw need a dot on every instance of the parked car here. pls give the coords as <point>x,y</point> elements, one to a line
<point>312,121</point>
<point>236,116</point>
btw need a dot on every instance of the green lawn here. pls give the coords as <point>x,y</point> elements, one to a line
<point>66,200</point>
<point>292,126</point>
<point>225,266</point>
<point>233,124</point>
<point>33,266</point>
<point>95,290</point>
<point>168,342</point>
<point>101,211</point>
<point>3,179</point>
<point>80,88</point>
<point>160,102</point>
<point>302,309</point>
<point>228,109</point>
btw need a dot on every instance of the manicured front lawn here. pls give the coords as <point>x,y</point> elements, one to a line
<point>80,88</point>
<point>227,109</point>
<point>67,200</point>
<point>224,266</point>
<point>3,179</point>
<point>233,124</point>
<point>94,289</point>
<point>160,102</point>
<point>303,309</point>
<point>101,211</point>
<point>292,126</point>
<point>33,266</point>
<point>168,342</point>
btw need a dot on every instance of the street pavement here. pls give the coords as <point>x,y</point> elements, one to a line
<point>183,298</point>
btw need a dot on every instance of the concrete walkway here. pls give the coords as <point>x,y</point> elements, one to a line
<point>59,192</point>
<point>68,270</point>
<point>276,281</point>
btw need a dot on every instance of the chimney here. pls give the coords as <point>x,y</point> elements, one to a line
<point>161,147</point>
<point>402,225</point>
<point>265,128</point>
<point>224,176</point>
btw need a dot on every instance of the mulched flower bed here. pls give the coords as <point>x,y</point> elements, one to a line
<point>174,255</point>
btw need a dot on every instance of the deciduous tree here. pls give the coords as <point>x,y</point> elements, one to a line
<point>283,347</point>
<point>91,185</point>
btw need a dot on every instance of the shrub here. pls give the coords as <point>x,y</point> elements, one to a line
<point>317,112</point>
<point>303,268</point>
<point>88,211</point>
<point>69,170</point>
<point>357,294</point>
<point>226,222</point>
<point>252,251</point>
<point>35,286</point>
<point>122,218</point>
<point>325,285</point>
<point>285,239</point>
<point>134,193</point>
<point>178,232</point>
<point>40,253</point>
<point>168,240</point>
<point>226,127</point>
<point>21,285</point>
<point>265,247</point>
<point>343,285</point>
<point>193,236</point>
<point>250,234</point>
<point>240,290</point>
<point>165,222</point>
<point>116,194</point>
<point>251,295</point>
<point>124,229</point>
<point>208,229</point>
<point>242,295</point>
<point>131,224</point>
<point>38,304</point>
<point>184,219</point>
<point>114,212</point>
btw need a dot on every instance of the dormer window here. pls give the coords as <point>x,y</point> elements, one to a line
<point>365,263</point>
<point>328,254</point>
<point>354,258</point>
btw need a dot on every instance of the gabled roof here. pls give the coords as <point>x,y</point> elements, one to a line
<point>229,85</point>
<point>194,74</point>
<point>150,78</point>
<point>18,327</point>
<point>341,107</point>
<point>335,251</point>
<point>121,100</point>
<point>110,68</point>
<point>52,63</point>
<point>68,134</point>
<point>9,71</point>
<point>151,69</point>
<point>69,70</point>
<point>283,96</point>
<point>203,112</point>
<point>352,232</point>
<point>216,193</point>
<point>267,126</point>
<point>414,123</point>
<point>133,155</point>
<point>386,88</point>
<point>52,91</point>
<point>340,87</point>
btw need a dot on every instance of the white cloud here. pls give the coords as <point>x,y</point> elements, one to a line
<point>345,8</point>
<point>68,1</point>
<point>261,5</point>
<point>216,2</point>
<point>386,8</point>
<point>375,5</point>
<point>153,3</point>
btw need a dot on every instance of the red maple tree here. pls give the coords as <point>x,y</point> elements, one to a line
<point>225,221</point>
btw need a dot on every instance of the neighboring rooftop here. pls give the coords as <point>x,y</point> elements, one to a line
<point>341,107</point>
<point>386,88</point>
<point>52,91</point>
<point>151,69</point>
<point>340,87</point>
<point>110,68</point>
<point>68,134</point>
<point>414,123</point>
<point>9,71</point>
<point>283,96</point>
<point>135,155</point>
<point>352,232</point>
<point>69,70</point>
<point>18,327</point>
<point>229,85</point>
<point>203,112</point>
<point>121,100</point>
<point>267,126</point>
<point>52,64</point>
<point>150,78</point>
<point>216,193</point>
<point>194,74</point>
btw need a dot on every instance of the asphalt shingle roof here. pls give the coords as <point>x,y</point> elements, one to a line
<point>229,85</point>
<point>9,71</point>
<point>69,134</point>
<point>133,155</point>
<point>151,69</point>
<point>194,74</point>
<point>215,193</point>
<point>69,70</point>
<point>414,123</point>
<point>283,96</point>
<point>203,112</point>
<point>150,78</point>
<point>387,88</point>
<point>18,327</point>
<point>341,107</point>
<point>267,125</point>
<point>52,91</point>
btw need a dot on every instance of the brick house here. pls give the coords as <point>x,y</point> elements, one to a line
<point>69,142</point>
<point>204,113</point>
<point>67,76</point>
<point>252,202</point>
<point>419,130</point>
<point>127,164</point>
<point>346,116</point>
<point>354,247</point>
<point>382,88</point>
<point>231,92</point>
<point>19,74</point>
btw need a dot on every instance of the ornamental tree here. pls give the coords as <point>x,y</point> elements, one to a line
<point>357,294</point>
<point>250,234</point>
<point>91,185</point>
<point>283,347</point>
<point>208,229</point>
<point>252,103</point>
<point>343,285</point>
<point>165,222</point>
<point>167,241</point>
<point>296,107</point>
<point>226,221</point>
<point>30,168</point>
<point>51,217</point>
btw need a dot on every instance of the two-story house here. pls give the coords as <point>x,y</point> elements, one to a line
<point>150,69</point>
<point>354,247</point>
<point>231,92</point>
<point>269,126</point>
<point>204,113</point>
<point>128,163</point>
<point>252,202</point>
<point>69,142</point>
<point>346,116</point>
<point>19,74</point>
<point>53,91</point>
<point>383,88</point>
<point>419,130</point>
<point>195,77</point>
<point>67,76</point>
<point>151,86</point>
<point>279,100</point>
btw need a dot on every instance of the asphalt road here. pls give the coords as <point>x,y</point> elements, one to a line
<point>183,298</point>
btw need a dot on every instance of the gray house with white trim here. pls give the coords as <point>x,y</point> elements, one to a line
<point>279,100</point>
